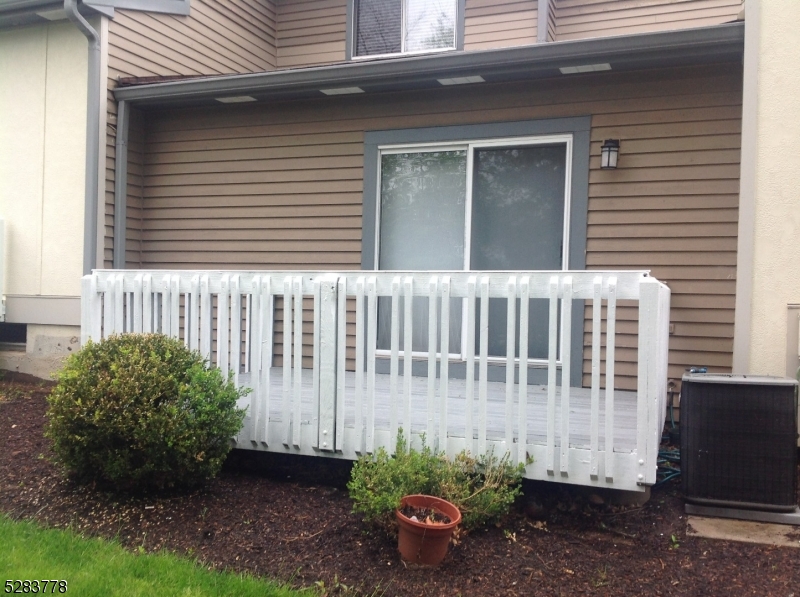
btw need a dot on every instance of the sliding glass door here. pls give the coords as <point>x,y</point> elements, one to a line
<point>494,206</point>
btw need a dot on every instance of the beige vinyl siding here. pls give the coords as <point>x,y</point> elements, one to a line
<point>108,196</point>
<point>493,24</point>
<point>136,146</point>
<point>672,207</point>
<point>281,188</point>
<point>576,19</point>
<point>311,32</point>
<point>217,37</point>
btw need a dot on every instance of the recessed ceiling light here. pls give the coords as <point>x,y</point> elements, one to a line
<point>236,99</point>
<point>584,68</point>
<point>53,15</point>
<point>342,90</point>
<point>462,80</point>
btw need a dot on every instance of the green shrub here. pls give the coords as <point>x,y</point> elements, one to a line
<point>482,488</point>
<point>142,411</point>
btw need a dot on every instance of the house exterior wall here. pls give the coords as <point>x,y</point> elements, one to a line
<point>43,79</point>
<point>256,35</point>
<point>491,24</point>
<point>776,225</point>
<point>245,187</point>
<point>310,32</point>
<point>578,19</point>
<point>43,85</point>
<point>217,37</point>
<point>133,217</point>
<point>313,32</point>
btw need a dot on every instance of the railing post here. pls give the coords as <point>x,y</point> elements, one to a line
<point>88,298</point>
<point>647,404</point>
<point>326,349</point>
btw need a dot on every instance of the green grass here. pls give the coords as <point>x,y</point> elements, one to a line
<point>96,567</point>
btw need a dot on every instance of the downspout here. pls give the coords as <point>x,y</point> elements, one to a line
<point>92,136</point>
<point>748,173</point>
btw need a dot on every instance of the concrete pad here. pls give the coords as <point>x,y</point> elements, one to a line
<point>743,530</point>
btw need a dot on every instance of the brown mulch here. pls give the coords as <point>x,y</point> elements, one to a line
<point>289,518</point>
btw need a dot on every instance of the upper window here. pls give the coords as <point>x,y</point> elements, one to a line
<point>386,27</point>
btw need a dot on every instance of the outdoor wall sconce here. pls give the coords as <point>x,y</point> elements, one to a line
<point>609,153</point>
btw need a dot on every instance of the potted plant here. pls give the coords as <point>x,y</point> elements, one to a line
<point>425,525</point>
<point>466,492</point>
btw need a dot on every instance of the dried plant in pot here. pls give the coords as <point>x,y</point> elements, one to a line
<point>425,526</point>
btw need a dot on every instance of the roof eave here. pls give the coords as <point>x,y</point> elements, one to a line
<point>705,44</point>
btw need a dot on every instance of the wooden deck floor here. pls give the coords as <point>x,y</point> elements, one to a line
<point>624,409</point>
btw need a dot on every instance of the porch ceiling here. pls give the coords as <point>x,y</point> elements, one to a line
<point>705,45</point>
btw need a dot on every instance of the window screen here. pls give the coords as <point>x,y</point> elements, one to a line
<point>378,27</point>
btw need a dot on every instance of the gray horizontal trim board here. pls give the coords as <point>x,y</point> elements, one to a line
<point>689,46</point>
<point>45,310</point>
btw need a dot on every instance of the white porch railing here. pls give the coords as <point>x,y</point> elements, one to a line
<point>342,406</point>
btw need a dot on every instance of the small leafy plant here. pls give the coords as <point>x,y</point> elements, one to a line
<point>482,488</point>
<point>142,411</point>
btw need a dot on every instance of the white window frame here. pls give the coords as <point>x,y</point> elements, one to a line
<point>403,51</point>
<point>470,146</point>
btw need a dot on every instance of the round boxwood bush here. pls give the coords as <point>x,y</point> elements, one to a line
<point>141,411</point>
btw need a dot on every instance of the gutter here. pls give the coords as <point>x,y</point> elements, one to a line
<point>92,136</point>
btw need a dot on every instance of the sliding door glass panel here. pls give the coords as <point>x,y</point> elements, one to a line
<point>378,27</point>
<point>422,214</point>
<point>430,25</point>
<point>518,200</point>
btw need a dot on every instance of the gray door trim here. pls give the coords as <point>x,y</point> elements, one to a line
<point>579,127</point>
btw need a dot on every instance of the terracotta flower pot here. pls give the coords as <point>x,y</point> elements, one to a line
<point>423,543</point>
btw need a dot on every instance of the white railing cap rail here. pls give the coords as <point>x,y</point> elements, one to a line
<point>627,282</point>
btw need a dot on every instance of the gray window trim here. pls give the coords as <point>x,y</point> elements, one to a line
<point>174,7</point>
<point>580,129</point>
<point>351,30</point>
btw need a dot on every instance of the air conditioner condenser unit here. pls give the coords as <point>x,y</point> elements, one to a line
<point>739,447</point>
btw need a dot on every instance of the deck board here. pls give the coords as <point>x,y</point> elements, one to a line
<point>579,414</point>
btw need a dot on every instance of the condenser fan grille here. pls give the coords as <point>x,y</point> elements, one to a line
<point>739,442</point>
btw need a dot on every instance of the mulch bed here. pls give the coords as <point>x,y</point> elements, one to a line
<point>289,518</point>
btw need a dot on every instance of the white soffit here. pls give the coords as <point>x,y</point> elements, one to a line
<point>584,68</point>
